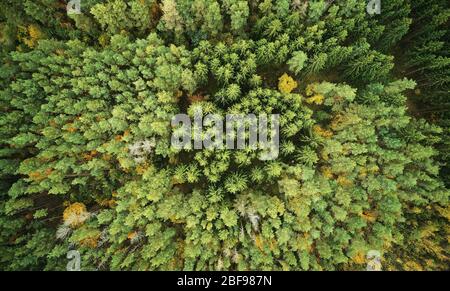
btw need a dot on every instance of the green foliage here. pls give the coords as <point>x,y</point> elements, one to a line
<point>116,16</point>
<point>297,62</point>
<point>86,103</point>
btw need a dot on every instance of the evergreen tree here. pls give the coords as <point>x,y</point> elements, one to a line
<point>86,159</point>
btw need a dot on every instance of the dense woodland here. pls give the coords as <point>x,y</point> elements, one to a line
<point>86,162</point>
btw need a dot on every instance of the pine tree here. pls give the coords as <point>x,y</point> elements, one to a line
<point>297,62</point>
<point>86,159</point>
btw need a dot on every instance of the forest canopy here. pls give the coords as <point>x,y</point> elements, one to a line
<point>86,161</point>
